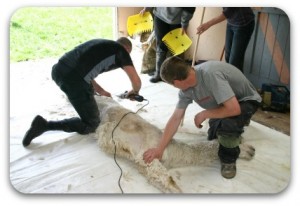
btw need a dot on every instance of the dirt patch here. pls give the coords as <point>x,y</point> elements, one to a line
<point>275,120</point>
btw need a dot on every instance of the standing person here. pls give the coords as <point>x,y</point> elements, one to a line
<point>165,20</point>
<point>229,101</point>
<point>240,26</point>
<point>74,74</point>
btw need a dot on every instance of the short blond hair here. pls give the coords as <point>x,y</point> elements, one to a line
<point>174,68</point>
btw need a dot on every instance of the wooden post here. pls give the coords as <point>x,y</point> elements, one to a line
<point>195,52</point>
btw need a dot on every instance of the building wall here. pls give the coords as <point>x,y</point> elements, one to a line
<point>211,42</point>
<point>267,58</point>
<point>121,15</point>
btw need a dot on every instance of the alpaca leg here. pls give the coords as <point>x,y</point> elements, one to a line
<point>158,176</point>
<point>247,151</point>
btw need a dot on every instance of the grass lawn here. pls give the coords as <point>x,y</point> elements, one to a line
<point>41,32</point>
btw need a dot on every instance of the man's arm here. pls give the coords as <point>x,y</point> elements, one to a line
<point>186,16</point>
<point>134,78</point>
<point>99,89</point>
<point>169,132</point>
<point>229,108</point>
<point>203,27</point>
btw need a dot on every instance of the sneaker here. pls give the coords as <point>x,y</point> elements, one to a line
<point>228,170</point>
<point>38,127</point>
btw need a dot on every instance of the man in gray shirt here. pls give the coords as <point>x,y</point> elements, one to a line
<point>228,98</point>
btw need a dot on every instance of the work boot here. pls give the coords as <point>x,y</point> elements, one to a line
<point>160,57</point>
<point>38,127</point>
<point>228,170</point>
<point>155,79</point>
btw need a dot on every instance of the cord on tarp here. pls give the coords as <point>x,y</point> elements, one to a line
<point>112,136</point>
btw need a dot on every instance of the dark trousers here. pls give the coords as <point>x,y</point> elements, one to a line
<point>81,96</point>
<point>233,127</point>
<point>161,28</point>
<point>237,40</point>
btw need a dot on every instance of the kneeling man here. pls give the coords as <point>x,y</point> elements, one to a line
<point>229,100</point>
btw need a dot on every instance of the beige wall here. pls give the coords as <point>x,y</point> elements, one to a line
<point>211,42</point>
<point>122,15</point>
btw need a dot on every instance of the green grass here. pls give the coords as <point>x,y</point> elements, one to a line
<point>41,32</point>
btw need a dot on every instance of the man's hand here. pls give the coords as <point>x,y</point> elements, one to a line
<point>183,30</point>
<point>229,108</point>
<point>170,130</point>
<point>198,119</point>
<point>203,27</point>
<point>104,93</point>
<point>142,12</point>
<point>99,89</point>
<point>151,154</point>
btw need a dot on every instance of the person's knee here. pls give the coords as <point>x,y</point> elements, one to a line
<point>92,125</point>
<point>82,127</point>
<point>232,125</point>
<point>228,140</point>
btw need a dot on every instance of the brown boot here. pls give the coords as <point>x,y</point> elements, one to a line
<point>228,170</point>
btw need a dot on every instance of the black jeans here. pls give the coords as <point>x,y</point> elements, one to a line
<point>81,96</point>
<point>161,28</point>
<point>232,126</point>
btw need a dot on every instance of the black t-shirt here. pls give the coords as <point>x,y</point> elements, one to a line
<point>238,16</point>
<point>95,57</point>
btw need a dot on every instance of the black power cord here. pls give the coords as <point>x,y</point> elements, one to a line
<point>112,137</point>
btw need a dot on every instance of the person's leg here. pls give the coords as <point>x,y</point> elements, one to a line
<point>228,132</point>
<point>81,97</point>
<point>88,111</point>
<point>228,153</point>
<point>213,128</point>
<point>160,29</point>
<point>228,42</point>
<point>38,126</point>
<point>242,36</point>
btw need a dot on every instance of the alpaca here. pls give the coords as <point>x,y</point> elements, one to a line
<point>134,135</point>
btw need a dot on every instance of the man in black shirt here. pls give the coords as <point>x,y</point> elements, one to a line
<point>75,73</point>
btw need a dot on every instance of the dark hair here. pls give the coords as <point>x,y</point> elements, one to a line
<point>124,41</point>
<point>174,68</point>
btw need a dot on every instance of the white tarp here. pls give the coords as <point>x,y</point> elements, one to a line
<point>58,162</point>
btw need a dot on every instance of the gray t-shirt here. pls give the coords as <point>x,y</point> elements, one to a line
<point>217,82</point>
<point>174,15</point>
<point>96,56</point>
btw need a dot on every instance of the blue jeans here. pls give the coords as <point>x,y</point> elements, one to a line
<point>237,40</point>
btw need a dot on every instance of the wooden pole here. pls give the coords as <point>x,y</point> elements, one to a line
<point>195,52</point>
<point>198,38</point>
<point>222,54</point>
